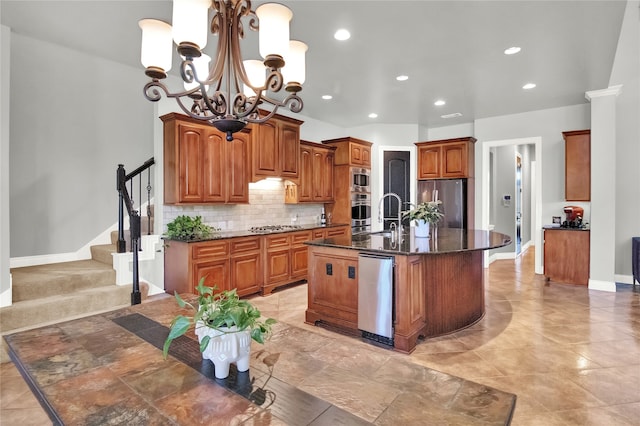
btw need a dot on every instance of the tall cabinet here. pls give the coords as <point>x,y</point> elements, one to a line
<point>577,161</point>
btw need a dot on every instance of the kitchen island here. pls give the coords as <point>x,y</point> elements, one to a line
<point>438,282</point>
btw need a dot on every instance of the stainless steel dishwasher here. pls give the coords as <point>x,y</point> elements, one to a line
<point>375,297</point>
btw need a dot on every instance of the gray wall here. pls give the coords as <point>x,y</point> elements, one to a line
<point>74,117</point>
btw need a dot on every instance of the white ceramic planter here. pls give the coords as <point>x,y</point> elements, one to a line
<point>422,229</point>
<point>225,348</point>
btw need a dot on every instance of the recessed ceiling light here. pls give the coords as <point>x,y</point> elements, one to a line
<point>512,50</point>
<point>402,78</point>
<point>342,35</point>
<point>453,115</point>
<point>327,97</point>
<point>439,102</point>
<point>529,86</point>
<point>373,115</point>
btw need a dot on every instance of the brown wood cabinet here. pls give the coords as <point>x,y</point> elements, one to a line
<point>352,151</point>
<point>315,183</point>
<point>275,148</point>
<point>200,166</point>
<point>285,259</point>
<point>446,159</point>
<point>333,297</point>
<point>225,264</point>
<point>331,232</point>
<point>577,161</point>
<point>566,255</point>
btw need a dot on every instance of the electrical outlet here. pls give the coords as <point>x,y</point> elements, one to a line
<point>352,272</point>
<point>329,269</point>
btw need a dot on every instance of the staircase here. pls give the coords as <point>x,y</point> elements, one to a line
<point>50,293</point>
<point>45,294</point>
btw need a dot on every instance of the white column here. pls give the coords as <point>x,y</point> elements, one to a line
<point>5,276</point>
<point>603,184</point>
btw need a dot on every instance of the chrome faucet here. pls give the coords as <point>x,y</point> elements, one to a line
<point>380,214</point>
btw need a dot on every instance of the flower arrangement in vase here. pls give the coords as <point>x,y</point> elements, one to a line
<point>424,214</point>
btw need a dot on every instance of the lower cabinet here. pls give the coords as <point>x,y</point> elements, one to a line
<point>225,264</point>
<point>285,259</point>
<point>566,255</point>
<point>334,296</point>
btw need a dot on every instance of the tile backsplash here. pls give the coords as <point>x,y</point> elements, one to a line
<point>266,207</point>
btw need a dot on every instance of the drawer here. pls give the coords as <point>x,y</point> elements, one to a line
<point>275,241</point>
<point>239,245</point>
<point>318,233</point>
<point>210,249</point>
<point>335,232</point>
<point>300,237</point>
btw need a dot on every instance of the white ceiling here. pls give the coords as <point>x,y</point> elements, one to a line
<point>449,49</point>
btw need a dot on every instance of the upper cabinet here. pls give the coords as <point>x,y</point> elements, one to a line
<point>275,148</point>
<point>315,182</point>
<point>577,161</point>
<point>200,166</point>
<point>445,159</point>
<point>351,151</point>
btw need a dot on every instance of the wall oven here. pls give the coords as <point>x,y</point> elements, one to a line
<point>360,212</point>
<point>360,179</point>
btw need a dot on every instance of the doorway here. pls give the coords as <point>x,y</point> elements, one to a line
<point>396,179</point>
<point>518,204</point>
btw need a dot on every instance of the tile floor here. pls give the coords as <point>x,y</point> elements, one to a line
<point>572,356</point>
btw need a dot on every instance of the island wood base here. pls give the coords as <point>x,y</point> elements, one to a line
<point>435,294</point>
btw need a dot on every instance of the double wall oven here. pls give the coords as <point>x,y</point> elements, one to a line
<point>360,200</point>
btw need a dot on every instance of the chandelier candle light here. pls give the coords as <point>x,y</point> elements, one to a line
<point>227,93</point>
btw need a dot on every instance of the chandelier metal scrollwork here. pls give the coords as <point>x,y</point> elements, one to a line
<point>227,93</point>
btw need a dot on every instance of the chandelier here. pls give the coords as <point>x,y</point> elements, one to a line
<point>226,93</point>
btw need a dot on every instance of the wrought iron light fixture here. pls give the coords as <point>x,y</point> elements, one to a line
<point>227,93</point>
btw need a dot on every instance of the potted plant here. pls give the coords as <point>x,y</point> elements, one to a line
<point>187,228</point>
<point>224,324</point>
<point>424,214</point>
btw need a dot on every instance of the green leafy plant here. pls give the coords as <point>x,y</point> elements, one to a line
<point>427,211</point>
<point>189,228</point>
<point>219,311</point>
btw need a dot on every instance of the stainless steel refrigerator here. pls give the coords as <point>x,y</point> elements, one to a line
<point>452,193</point>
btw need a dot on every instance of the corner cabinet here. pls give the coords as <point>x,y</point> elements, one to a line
<point>351,151</point>
<point>446,159</point>
<point>200,166</point>
<point>577,161</point>
<point>315,182</point>
<point>275,148</point>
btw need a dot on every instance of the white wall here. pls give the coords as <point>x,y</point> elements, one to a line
<point>5,229</point>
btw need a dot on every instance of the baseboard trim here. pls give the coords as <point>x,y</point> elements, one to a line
<point>6,297</point>
<point>609,286</point>
<point>624,279</point>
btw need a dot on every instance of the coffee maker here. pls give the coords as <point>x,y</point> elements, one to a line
<point>574,216</point>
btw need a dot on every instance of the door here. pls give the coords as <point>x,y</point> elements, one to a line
<point>396,180</point>
<point>518,204</point>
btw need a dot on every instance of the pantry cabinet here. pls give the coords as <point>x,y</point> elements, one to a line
<point>315,182</point>
<point>275,148</point>
<point>577,183</point>
<point>446,159</point>
<point>200,166</point>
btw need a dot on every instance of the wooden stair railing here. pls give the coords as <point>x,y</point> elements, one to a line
<point>125,200</point>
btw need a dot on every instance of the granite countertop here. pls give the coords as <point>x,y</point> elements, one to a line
<point>221,235</point>
<point>561,228</point>
<point>444,240</point>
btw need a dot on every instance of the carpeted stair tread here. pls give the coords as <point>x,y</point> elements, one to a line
<point>102,253</point>
<point>62,307</point>
<point>32,282</point>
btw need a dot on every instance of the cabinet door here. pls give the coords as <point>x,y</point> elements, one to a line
<point>265,149</point>
<point>429,162</point>
<point>327,177</point>
<point>237,168</point>
<point>216,273</point>
<point>305,187</point>
<point>357,155</point>
<point>214,167</point>
<point>577,166</point>
<point>366,156</point>
<point>454,160</point>
<point>289,149</point>
<point>190,166</point>
<point>277,266</point>
<point>299,262</point>
<point>317,191</point>
<point>332,292</point>
<point>566,256</point>
<point>246,273</point>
